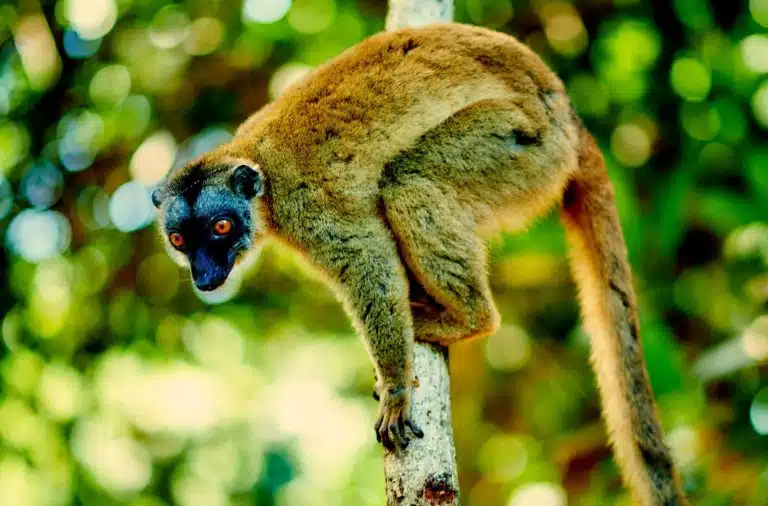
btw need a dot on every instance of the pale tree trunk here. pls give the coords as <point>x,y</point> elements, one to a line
<point>403,13</point>
<point>425,474</point>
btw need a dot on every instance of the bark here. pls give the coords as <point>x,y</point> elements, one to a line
<point>425,474</point>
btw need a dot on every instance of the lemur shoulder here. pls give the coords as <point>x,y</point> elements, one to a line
<point>386,168</point>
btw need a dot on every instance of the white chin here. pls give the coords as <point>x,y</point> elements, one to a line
<point>223,293</point>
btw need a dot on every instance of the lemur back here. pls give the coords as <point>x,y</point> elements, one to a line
<point>374,100</point>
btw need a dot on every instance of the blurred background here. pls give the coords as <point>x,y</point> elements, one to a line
<point>120,387</point>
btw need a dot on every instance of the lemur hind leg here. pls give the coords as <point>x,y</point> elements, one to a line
<point>444,255</point>
<point>489,162</point>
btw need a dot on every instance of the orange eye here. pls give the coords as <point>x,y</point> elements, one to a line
<point>176,239</point>
<point>222,227</point>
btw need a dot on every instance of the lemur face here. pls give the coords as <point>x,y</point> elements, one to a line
<point>207,218</point>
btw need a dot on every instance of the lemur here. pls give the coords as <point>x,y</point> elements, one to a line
<point>387,168</point>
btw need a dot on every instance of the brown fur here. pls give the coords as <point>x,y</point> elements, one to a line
<point>610,313</point>
<point>386,167</point>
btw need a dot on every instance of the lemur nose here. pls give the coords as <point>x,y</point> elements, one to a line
<point>207,281</point>
<point>206,274</point>
<point>208,284</point>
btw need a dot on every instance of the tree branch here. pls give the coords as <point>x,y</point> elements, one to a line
<point>425,474</point>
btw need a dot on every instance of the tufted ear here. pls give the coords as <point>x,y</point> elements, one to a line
<point>157,197</point>
<point>247,181</point>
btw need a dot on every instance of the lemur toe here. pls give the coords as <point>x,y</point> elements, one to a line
<point>414,428</point>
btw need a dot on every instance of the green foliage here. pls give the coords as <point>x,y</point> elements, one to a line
<point>120,387</point>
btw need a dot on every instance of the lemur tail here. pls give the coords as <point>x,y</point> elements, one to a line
<point>599,263</point>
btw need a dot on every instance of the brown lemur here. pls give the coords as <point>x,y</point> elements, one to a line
<point>386,167</point>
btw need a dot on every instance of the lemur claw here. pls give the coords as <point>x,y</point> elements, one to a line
<point>393,425</point>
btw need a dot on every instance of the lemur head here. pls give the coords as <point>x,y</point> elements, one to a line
<point>209,214</point>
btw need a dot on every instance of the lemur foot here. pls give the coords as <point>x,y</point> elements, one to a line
<point>394,422</point>
<point>376,387</point>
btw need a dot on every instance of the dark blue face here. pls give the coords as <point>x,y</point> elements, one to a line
<point>212,226</point>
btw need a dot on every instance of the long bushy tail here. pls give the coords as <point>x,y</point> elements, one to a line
<point>599,262</point>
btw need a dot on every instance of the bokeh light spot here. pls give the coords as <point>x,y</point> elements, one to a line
<point>42,185</point>
<point>251,50</point>
<point>21,372</point>
<point>91,270</point>
<point>631,144</point>
<point>102,446</point>
<point>755,339</point>
<point>493,14</point>
<point>77,47</point>
<point>203,142</point>
<point>690,79</point>
<point>50,300</point>
<point>630,47</point>
<point>717,157</point>
<point>758,412</point>
<point>21,425</point>
<point>191,491</point>
<point>154,157</point>
<point>539,494</point>
<point>285,76</point>
<point>82,136</point>
<point>759,11</point>
<point>164,398</point>
<point>695,14</point>
<point>312,16</point>
<point>746,241</point>
<point>732,118</point>
<point>38,235</point>
<point>265,11</point>
<point>134,116</point>
<point>170,26</point>
<point>20,483</point>
<point>37,50</point>
<point>60,392</point>
<point>182,399</point>
<point>217,461</point>
<point>91,18</point>
<point>215,343</point>
<point>683,441</point>
<point>754,51</point>
<point>331,430</point>
<point>130,208</point>
<point>110,85</point>
<point>503,458</point>
<point>700,120</point>
<point>760,104</point>
<point>93,208</point>
<point>14,143</point>
<point>205,36</point>
<point>564,29</point>
<point>508,349</point>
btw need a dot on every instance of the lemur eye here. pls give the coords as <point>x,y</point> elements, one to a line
<point>176,240</point>
<point>222,227</point>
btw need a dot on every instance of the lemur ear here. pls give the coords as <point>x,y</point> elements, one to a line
<point>157,197</point>
<point>247,181</point>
